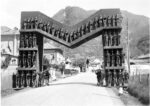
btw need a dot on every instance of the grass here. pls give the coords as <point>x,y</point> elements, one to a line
<point>140,88</point>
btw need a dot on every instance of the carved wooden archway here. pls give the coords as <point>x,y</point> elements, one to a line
<point>36,25</point>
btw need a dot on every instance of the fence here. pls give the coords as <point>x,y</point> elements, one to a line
<point>140,69</point>
<point>141,78</point>
<point>139,86</point>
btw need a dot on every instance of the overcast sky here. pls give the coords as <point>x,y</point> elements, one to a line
<point>11,9</point>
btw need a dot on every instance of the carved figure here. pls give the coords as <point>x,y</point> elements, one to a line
<point>32,23</point>
<point>105,21</point>
<point>45,27</point>
<point>72,36</point>
<point>108,58</point>
<point>84,29</point>
<point>96,22</point>
<point>118,19</point>
<point>53,30</point>
<point>101,21</point>
<point>22,79</point>
<point>115,77</point>
<point>120,78</point>
<point>65,35</point>
<point>28,79</point>
<point>113,58</point>
<point>34,78</point>
<point>34,58</point>
<point>105,39</point>
<point>34,40</point>
<point>30,40</point>
<point>40,24</point>
<point>118,60</point>
<point>29,23</point>
<point>35,23</point>
<point>114,38</point>
<point>109,39</point>
<point>20,64</point>
<point>23,59</point>
<point>48,27</point>
<point>29,59</point>
<point>56,32</point>
<point>69,38</point>
<point>117,39</point>
<point>24,24</point>
<point>26,40</point>
<point>109,78</point>
<point>109,21</point>
<point>91,25</point>
<point>113,21</point>
<point>22,40</point>
<point>78,33</point>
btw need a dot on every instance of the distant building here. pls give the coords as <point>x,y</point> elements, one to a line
<point>141,59</point>
<point>54,54</point>
<point>144,58</point>
<point>9,41</point>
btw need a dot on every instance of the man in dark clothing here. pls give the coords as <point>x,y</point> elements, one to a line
<point>87,63</point>
<point>98,74</point>
<point>46,76</point>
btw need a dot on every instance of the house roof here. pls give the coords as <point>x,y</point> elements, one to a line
<point>144,56</point>
<point>50,46</point>
<point>7,31</point>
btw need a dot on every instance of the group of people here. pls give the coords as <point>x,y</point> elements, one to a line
<point>31,78</point>
<point>113,58</point>
<point>71,35</point>
<point>111,77</point>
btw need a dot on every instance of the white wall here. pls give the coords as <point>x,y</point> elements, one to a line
<point>12,41</point>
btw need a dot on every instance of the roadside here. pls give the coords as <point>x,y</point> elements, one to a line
<point>12,91</point>
<point>128,100</point>
<point>78,90</point>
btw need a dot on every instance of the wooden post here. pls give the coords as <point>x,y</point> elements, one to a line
<point>140,77</point>
<point>148,79</point>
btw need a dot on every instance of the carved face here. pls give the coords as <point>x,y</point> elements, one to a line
<point>100,17</point>
<point>35,18</point>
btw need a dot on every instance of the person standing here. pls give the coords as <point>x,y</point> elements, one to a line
<point>62,68</point>
<point>87,63</point>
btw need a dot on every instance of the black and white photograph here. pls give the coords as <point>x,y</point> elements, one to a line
<point>75,53</point>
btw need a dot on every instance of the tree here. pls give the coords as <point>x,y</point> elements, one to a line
<point>6,62</point>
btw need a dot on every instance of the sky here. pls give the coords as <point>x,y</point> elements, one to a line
<point>11,9</point>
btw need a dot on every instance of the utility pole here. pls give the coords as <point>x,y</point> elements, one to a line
<point>128,49</point>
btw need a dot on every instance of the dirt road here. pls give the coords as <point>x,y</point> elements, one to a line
<point>78,90</point>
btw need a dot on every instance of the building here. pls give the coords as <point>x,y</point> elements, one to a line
<point>9,41</point>
<point>53,54</point>
<point>10,45</point>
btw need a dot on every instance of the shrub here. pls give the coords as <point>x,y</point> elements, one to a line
<point>6,62</point>
<point>140,89</point>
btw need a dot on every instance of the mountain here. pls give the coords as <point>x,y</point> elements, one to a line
<point>138,30</point>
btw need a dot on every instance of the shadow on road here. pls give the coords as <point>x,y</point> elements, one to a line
<point>74,83</point>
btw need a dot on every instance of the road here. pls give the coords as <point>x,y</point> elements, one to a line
<point>78,90</point>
